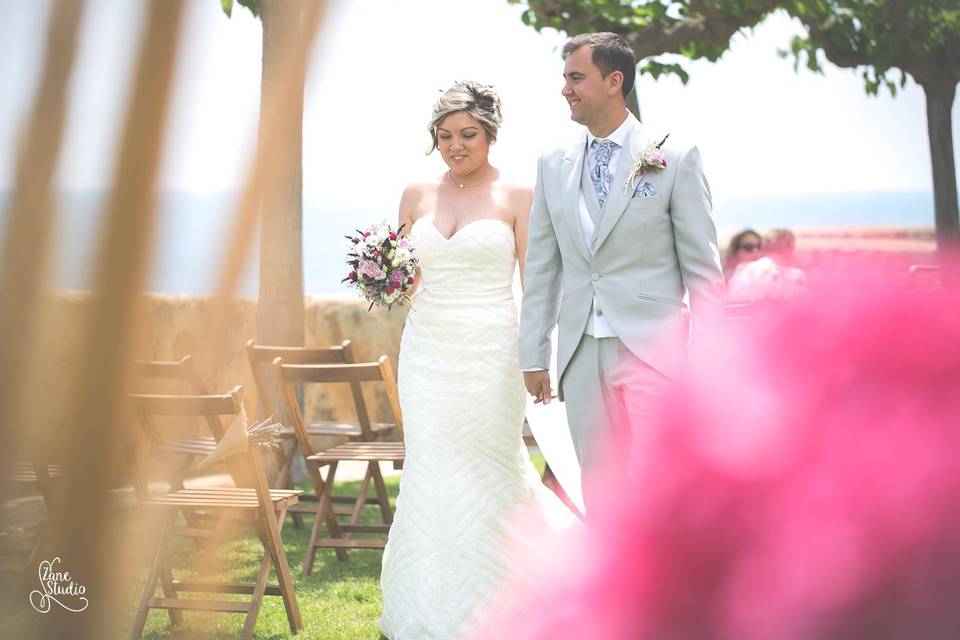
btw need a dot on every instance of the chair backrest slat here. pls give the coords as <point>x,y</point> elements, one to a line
<point>358,372</point>
<point>160,369</point>
<point>261,356</point>
<point>188,405</point>
<point>185,370</point>
<point>264,354</point>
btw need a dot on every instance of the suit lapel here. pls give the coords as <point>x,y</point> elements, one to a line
<point>571,173</point>
<point>617,201</point>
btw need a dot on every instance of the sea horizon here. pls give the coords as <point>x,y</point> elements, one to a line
<point>193,228</point>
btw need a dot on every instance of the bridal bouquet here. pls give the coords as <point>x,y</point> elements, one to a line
<point>382,265</point>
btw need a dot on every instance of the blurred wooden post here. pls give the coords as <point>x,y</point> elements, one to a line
<point>26,247</point>
<point>92,441</point>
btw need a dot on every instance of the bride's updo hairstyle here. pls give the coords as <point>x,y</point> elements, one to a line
<point>473,98</point>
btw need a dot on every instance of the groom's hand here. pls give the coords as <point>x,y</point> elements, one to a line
<point>538,385</point>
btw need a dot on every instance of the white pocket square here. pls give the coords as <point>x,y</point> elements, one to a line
<point>644,190</point>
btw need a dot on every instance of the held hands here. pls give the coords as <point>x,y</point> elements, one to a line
<point>538,385</point>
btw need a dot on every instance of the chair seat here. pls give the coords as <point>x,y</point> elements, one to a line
<point>193,446</point>
<point>24,472</point>
<point>349,429</point>
<point>362,451</point>
<point>233,497</point>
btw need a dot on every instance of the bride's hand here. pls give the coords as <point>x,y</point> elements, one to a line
<point>538,386</point>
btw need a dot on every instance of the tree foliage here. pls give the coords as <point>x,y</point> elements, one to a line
<point>916,37</point>
<point>694,28</point>
<point>885,41</point>
<point>252,5</point>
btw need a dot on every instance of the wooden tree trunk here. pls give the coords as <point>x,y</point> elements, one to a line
<point>940,131</point>
<point>280,305</point>
<point>280,309</point>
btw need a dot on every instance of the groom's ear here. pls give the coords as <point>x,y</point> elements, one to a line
<point>614,82</point>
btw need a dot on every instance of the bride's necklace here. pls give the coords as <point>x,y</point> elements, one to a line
<point>472,184</point>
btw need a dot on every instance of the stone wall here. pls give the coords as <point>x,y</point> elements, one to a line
<point>174,325</point>
<point>170,326</point>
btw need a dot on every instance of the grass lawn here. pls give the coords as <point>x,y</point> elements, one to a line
<point>338,600</point>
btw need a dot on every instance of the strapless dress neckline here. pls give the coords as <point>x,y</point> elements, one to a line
<point>429,221</point>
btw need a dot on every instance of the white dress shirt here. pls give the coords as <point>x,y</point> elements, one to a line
<point>597,326</point>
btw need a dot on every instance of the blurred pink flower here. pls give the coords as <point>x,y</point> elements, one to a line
<point>804,483</point>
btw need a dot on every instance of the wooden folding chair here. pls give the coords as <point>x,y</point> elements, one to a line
<point>30,476</point>
<point>261,356</point>
<point>185,372</point>
<point>262,507</point>
<point>43,475</point>
<point>369,451</point>
<point>180,455</point>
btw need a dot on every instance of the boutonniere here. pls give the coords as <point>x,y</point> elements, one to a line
<point>651,159</point>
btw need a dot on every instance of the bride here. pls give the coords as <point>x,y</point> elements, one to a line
<point>467,474</point>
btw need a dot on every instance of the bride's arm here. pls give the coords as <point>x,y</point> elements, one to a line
<point>409,204</point>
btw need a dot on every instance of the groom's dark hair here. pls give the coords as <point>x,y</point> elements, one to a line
<point>610,52</point>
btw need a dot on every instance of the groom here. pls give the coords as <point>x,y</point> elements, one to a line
<point>621,229</point>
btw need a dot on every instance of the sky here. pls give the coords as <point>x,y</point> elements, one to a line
<point>379,65</point>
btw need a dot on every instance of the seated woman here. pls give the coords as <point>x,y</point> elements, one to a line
<point>743,247</point>
<point>770,276</point>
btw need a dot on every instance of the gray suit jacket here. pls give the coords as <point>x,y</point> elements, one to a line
<point>648,252</point>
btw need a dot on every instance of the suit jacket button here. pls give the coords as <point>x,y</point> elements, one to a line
<point>599,312</point>
<point>595,277</point>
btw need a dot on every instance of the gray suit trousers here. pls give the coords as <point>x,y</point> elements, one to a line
<point>609,395</point>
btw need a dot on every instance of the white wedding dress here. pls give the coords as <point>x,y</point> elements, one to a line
<point>467,475</point>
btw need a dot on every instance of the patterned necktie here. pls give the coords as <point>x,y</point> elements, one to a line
<point>600,175</point>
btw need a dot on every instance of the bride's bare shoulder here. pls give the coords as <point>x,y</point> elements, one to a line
<point>416,191</point>
<point>517,196</point>
<point>416,199</point>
